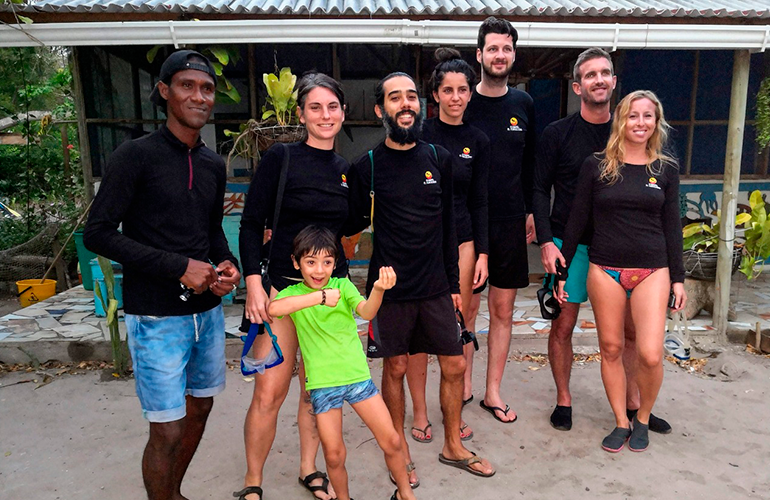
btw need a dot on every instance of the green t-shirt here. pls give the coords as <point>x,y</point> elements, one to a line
<point>328,337</point>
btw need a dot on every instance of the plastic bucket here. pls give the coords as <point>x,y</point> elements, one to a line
<point>84,258</point>
<point>98,278</point>
<point>98,307</point>
<point>33,291</point>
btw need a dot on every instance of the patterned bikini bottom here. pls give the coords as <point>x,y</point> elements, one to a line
<point>628,278</point>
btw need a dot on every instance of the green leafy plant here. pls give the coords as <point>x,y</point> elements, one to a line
<point>763,114</point>
<point>110,304</point>
<point>281,96</point>
<point>757,246</point>
<point>701,237</point>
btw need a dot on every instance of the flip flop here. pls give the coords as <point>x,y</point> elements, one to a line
<point>424,433</point>
<point>248,490</point>
<point>467,401</point>
<point>492,409</point>
<point>312,477</point>
<point>465,438</point>
<point>465,464</point>
<point>409,468</point>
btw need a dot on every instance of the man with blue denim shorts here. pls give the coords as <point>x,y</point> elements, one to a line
<point>563,147</point>
<point>167,190</point>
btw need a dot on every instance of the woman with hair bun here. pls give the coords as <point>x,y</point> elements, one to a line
<point>630,192</point>
<point>452,85</point>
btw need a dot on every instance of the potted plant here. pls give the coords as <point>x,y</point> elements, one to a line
<point>700,242</point>
<point>278,122</point>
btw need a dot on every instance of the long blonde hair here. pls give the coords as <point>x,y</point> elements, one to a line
<point>615,152</point>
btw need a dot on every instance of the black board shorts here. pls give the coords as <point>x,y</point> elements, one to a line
<point>415,326</point>
<point>508,264</point>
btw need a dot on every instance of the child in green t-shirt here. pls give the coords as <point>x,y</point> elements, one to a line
<point>322,310</point>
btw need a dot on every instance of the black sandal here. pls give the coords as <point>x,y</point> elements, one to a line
<point>312,477</point>
<point>248,490</point>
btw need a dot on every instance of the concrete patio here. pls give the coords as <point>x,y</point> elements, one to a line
<point>65,327</point>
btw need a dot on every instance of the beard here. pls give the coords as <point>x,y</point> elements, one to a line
<point>399,134</point>
<point>496,75</point>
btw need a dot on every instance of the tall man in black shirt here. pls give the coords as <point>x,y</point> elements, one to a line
<point>562,149</point>
<point>167,189</point>
<point>506,116</point>
<point>403,188</point>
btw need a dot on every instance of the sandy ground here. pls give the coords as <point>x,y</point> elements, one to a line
<point>79,437</point>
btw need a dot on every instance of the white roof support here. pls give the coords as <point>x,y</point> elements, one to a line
<point>427,32</point>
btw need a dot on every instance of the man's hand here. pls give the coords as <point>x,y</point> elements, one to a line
<point>481,272</point>
<point>457,301</point>
<point>228,278</point>
<point>198,276</point>
<point>387,279</point>
<point>549,254</point>
<point>332,296</point>
<point>530,228</point>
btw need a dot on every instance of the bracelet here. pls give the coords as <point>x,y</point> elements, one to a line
<point>323,297</point>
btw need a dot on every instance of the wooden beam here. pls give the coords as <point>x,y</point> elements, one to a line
<point>80,111</point>
<point>738,99</point>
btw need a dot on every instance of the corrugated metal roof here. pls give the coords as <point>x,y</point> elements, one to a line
<point>741,9</point>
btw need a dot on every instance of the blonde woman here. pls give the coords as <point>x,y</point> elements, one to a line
<point>630,192</point>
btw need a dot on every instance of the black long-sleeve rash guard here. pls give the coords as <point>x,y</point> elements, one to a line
<point>414,229</point>
<point>469,150</point>
<point>316,193</point>
<point>561,151</point>
<point>170,200</point>
<point>636,220</point>
<point>509,123</point>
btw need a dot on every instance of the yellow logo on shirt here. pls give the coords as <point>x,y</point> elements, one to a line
<point>514,125</point>
<point>466,150</point>
<point>429,178</point>
<point>466,154</point>
<point>344,181</point>
<point>514,121</point>
<point>653,180</point>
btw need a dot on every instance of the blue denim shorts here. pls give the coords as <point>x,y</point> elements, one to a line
<point>174,356</point>
<point>329,398</point>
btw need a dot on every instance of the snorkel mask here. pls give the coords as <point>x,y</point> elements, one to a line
<point>249,365</point>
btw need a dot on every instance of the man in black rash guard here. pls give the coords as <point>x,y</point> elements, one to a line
<point>414,232</point>
<point>506,116</point>
<point>167,189</point>
<point>562,148</point>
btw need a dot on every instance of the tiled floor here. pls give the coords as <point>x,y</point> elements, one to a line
<point>70,316</point>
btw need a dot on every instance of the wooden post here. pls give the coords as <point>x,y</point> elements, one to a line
<point>735,128</point>
<point>80,111</point>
